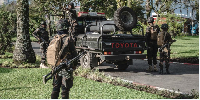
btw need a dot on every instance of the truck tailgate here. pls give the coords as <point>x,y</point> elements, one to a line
<point>123,43</point>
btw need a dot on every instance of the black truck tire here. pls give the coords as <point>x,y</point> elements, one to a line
<point>86,61</point>
<point>125,18</point>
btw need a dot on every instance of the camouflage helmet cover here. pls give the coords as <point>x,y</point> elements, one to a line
<point>43,23</point>
<point>164,26</point>
<point>150,20</point>
<point>62,24</point>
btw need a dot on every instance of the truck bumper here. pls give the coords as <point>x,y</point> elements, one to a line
<point>123,57</point>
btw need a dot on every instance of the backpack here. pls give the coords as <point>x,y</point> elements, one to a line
<point>54,50</point>
<point>161,38</point>
<point>153,31</point>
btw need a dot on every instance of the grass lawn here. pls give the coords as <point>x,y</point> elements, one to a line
<point>184,47</point>
<point>26,83</point>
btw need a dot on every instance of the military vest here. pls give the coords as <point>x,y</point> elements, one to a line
<point>43,33</point>
<point>161,38</point>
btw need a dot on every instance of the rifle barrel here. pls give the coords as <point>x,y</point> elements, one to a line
<point>60,67</point>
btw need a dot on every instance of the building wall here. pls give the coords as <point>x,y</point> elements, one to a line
<point>4,1</point>
<point>1,2</point>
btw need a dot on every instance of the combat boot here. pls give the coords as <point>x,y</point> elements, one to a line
<point>43,65</point>
<point>65,94</point>
<point>155,68</point>
<point>54,95</point>
<point>150,68</point>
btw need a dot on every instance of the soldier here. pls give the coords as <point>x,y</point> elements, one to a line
<point>164,43</point>
<point>42,35</point>
<point>64,78</point>
<point>72,19</point>
<point>151,36</point>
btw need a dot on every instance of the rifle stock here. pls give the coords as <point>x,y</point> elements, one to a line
<point>60,67</point>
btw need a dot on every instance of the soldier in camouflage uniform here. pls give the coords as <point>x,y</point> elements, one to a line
<point>165,49</point>
<point>42,35</point>
<point>152,44</point>
<point>64,78</point>
<point>72,19</point>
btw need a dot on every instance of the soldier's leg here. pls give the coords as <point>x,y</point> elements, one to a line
<point>42,48</point>
<point>57,81</point>
<point>155,50</point>
<point>45,51</point>
<point>161,62</point>
<point>167,62</point>
<point>66,88</point>
<point>149,57</point>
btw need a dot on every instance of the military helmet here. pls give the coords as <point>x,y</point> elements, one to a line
<point>72,5</point>
<point>164,26</point>
<point>62,24</point>
<point>43,23</point>
<point>150,20</point>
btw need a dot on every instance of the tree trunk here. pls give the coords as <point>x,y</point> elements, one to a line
<point>23,49</point>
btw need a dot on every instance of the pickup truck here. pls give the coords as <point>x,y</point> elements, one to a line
<point>110,41</point>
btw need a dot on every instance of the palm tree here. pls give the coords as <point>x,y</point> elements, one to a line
<point>23,49</point>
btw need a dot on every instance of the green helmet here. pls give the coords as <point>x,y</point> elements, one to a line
<point>164,26</point>
<point>62,24</point>
<point>150,20</point>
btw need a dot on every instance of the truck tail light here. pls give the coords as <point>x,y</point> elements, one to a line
<point>108,53</point>
<point>137,52</point>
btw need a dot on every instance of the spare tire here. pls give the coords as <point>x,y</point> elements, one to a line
<point>125,18</point>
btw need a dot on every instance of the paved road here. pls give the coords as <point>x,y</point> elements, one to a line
<point>182,77</point>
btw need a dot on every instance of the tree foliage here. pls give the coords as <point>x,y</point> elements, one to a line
<point>7,28</point>
<point>106,6</point>
<point>176,23</point>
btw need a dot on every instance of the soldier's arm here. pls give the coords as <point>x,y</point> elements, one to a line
<point>72,48</point>
<point>69,48</point>
<point>148,35</point>
<point>35,34</point>
<point>169,38</point>
<point>158,28</point>
<point>73,51</point>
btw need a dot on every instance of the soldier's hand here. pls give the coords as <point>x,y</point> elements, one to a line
<point>160,49</point>
<point>39,40</point>
<point>173,40</point>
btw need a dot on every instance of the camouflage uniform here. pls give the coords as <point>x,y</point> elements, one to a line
<point>41,33</point>
<point>165,51</point>
<point>72,19</point>
<point>152,46</point>
<point>64,78</point>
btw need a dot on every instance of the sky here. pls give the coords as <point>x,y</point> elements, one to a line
<point>184,11</point>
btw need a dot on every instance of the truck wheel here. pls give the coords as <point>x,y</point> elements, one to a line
<point>125,18</point>
<point>122,66</point>
<point>86,61</point>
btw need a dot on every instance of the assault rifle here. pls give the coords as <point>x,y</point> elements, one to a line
<point>44,40</point>
<point>166,45</point>
<point>60,67</point>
